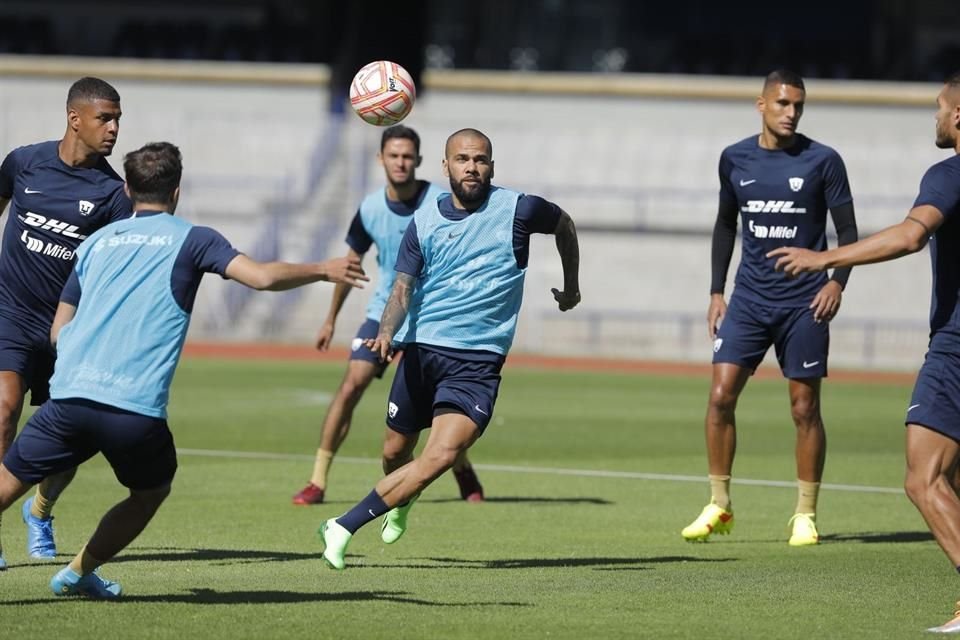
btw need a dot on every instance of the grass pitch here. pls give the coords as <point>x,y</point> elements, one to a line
<point>589,478</point>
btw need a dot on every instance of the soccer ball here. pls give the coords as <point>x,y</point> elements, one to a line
<point>382,93</point>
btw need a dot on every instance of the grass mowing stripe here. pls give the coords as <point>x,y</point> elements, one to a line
<point>584,473</point>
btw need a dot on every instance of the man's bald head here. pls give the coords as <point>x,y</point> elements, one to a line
<point>456,136</point>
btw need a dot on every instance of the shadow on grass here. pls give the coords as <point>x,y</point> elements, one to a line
<point>866,537</point>
<point>168,554</point>
<point>211,596</point>
<point>872,537</point>
<point>527,500</point>
<point>598,563</point>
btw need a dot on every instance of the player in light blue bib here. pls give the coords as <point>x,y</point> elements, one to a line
<point>119,331</point>
<point>454,306</point>
<point>381,220</point>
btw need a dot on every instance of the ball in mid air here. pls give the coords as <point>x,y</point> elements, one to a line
<point>382,93</point>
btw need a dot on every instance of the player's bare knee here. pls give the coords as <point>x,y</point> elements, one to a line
<point>398,447</point>
<point>394,458</point>
<point>10,408</point>
<point>806,413</point>
<point>351,390</point>
<point>922,489</point>
<point>722,400</point>
<point>149,500</point>
<point>440,458</point>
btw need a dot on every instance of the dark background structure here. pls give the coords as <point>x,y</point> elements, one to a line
<point>859,39</point>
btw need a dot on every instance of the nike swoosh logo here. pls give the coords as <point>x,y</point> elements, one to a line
<point>912,407</point>
<point>455,235</point>
<point>119,231</point>
<point>744,183</point>
<point>29,190</point>
<point>370,511</point>
<point>477,408</point>
<point>807,365</point>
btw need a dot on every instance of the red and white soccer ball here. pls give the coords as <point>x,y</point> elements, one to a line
<point>382,93</point>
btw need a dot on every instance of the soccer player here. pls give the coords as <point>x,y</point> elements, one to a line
<point>457,295</point>
<point>781,183</point>
<point>59,192</point>
<point>933,416</point>
<point>381,219</point>
<point>119,331</point>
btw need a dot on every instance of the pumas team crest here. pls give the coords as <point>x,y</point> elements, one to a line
<point>86,207</point>
<point>796,184</point>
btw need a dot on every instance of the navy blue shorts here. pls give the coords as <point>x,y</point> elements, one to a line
<point>29,355</point>
<point>62,434</point>
<point>359,351</point>
<point>429,380</point>
<point>935,402</point>
<point>748,329</point>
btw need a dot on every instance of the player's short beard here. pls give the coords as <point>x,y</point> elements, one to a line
<point>944,139</point>
<point>470,200</point>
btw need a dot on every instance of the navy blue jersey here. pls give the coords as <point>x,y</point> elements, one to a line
<point>783,196</point>
<point>940,188</point>
<point>53,207</point>
<point>204,250</point>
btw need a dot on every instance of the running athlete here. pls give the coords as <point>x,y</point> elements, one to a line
<point>381,219</point>
<point>454,305</point>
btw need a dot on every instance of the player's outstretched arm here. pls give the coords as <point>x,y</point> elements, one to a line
<point>3,205</point>
<point>340,293</point>
<point>902,239</point>
<point>569,249</point>
<point>64,314</point>
<point>398,304</point>
<point>280,276</point>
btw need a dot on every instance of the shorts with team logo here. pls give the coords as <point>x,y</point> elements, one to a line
<point>935,402</point>
<point>63,434</point>
<point>429,380</point>
<point>28,354</point>
<point>748,329</point>
<point>358,351</point>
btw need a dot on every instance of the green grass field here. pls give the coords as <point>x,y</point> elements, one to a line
<point>587,477</point>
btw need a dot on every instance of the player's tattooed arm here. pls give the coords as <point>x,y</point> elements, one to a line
<point>569,249</point>
<point>398,304</point>
<point>393,315</point>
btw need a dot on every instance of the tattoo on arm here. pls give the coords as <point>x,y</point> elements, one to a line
<point>397,305</point>
<point>921,223</point>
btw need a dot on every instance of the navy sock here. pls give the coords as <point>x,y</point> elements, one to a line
<point>370,508</point>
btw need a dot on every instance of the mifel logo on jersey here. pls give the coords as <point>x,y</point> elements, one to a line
<point>46,248</point>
